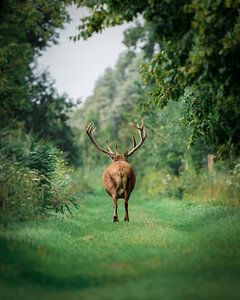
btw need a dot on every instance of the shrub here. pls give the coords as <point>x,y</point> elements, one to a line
<point>20,195</point>
<point>220,186</point>
<point>233,182</point>
<point>33,176</point>
<point>162,183</point>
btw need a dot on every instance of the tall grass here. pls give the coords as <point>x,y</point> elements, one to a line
<point>220,186</point>
<point>34,178</point>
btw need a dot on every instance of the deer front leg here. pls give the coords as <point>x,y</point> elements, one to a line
<point>115,207</point>
<point>126,218</point>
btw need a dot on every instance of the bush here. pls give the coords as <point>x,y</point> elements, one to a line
<point>20,195</point>
<point>33,176</point>
<point>162,183</point>
<point>233,182</point>
<point>220,186</point>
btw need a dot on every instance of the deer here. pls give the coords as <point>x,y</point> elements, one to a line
<point>119,177</point>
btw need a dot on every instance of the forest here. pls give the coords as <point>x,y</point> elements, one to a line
<point>180,74</point>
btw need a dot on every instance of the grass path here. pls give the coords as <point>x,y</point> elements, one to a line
<point>169,250</point>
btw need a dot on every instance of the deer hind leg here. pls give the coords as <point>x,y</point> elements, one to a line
<point>126,197</point>
<point>115,207</point>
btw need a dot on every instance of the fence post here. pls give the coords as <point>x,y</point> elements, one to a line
<point>210,162</point>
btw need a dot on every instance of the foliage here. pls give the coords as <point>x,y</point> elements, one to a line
<point>165,165</point>
<point>34,176</point>
<point>115,103</point>
<point>233,180</point>
<point>197,61</point>
<point>27,27</point>
<point>218,187</point>
<point>116,93</point>
<point>162,183</point>
<point>49,115</point>
<point>20,196</point>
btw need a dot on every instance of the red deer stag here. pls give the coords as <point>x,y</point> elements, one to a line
<point>119,177</point>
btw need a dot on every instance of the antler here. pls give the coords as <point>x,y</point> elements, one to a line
<point>142,134</point>
<point>89,131</point>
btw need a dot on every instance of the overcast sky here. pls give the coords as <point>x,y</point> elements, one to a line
<point>76,65</point>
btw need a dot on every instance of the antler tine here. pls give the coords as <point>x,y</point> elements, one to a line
<point>109,149</point>
<point>142,134</point>
<point>108,146</point>
<point>134,141</point>
<point>90,128</point>
<point>89,131</point>
<point>116,147</point>
<point>145,132</point>
<point>87,126</point>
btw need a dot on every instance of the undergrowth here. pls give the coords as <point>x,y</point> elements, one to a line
<point>34,177</point>
<point>220,186</point>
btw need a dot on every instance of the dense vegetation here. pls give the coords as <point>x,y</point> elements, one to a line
<point>33,116</point>
<point>27,28</point>
<point>193,51</point>
<point>185,99</point>
<point>180,74</point>
<point>166,165</point>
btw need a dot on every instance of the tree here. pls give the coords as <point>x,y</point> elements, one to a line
<point>26,28</point>
<point>116,93</point>
<point>115,103</point>
<point>48,116</point>
<point>198,62</point>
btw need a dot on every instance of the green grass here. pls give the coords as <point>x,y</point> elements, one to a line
<point>168,250</point>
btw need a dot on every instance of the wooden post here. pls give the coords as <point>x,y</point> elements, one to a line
<point>210,162</point>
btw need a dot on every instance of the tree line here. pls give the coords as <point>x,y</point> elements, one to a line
<point>27,28</point>
<point>36,141</point>
<point>179,71</point>
<point>190,55</point>
<point>192,51</point>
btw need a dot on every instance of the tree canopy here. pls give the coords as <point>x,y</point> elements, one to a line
<point>27,28</point>
<point>192,48</point>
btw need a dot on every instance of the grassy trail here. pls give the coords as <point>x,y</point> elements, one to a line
<point>168,250</point>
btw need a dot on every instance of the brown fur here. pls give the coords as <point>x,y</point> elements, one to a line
<point>119,180</point>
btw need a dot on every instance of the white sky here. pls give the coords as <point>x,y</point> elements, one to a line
<point>76,65</point>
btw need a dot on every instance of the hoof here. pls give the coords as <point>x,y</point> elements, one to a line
<point>126,219</point>
<point>115,219</point>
